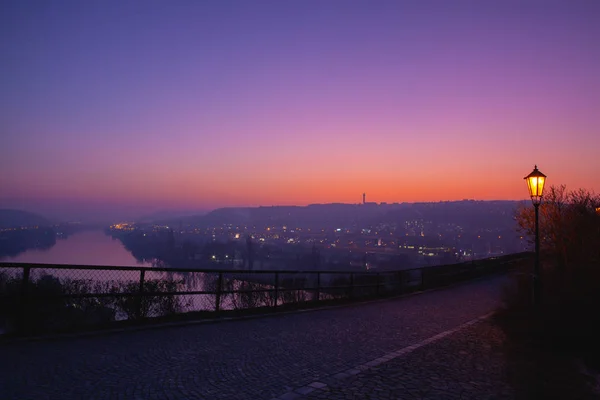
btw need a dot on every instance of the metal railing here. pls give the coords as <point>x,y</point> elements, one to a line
<point>45,297</point>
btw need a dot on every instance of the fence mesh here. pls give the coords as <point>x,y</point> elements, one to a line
<point>70,297</point>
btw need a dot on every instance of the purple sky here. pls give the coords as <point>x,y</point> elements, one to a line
<point>129,107</point>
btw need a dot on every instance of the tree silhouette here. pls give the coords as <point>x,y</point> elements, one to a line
<point>569,226</point>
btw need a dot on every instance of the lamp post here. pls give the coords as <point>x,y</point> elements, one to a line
<point>535,184</point>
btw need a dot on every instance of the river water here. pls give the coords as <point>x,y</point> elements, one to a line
<point>97,248</point>
<point>94,248</point>
<point>82,248</point>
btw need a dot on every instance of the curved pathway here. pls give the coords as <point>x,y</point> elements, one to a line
<point>285,356</point>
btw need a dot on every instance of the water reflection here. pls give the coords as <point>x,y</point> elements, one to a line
<point>82,248</point>
<point>96,248</point>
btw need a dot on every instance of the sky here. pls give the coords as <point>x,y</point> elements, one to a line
<point>134,106</point>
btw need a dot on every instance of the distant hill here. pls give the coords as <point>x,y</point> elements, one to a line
<point>168,216</point>
<point>467,213</point>
<point>17,218</point>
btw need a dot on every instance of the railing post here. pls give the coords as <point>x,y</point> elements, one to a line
<point>218,293</point>
<point>351,285</point>
<point>276,289</point>
<point>24,306</point>
<point>377,287</point>
<point>140,292</point>
<point>318,286</point>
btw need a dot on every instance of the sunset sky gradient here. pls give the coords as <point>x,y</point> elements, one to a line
<point>144,105</point>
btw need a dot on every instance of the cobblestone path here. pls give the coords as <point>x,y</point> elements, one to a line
<point>468,364</point>
<point>274,356</point>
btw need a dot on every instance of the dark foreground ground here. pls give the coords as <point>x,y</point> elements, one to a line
<point>374,350</point>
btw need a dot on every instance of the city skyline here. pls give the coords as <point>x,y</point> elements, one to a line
<point>141,106</point>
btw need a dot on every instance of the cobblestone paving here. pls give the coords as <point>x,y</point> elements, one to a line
<point>468,364</point>
<point>247,359</point>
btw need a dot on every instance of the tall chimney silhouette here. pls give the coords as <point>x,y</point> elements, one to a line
<point>364,198</point>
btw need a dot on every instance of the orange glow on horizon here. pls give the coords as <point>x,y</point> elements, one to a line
<point>329,181</point>
<point>194,192</point>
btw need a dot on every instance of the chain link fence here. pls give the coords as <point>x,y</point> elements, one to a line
<point>37,298</point>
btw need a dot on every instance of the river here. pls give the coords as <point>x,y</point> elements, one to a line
<point>82,248</point>
<point>97,248</point>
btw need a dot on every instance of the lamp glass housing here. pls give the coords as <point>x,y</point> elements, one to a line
<point>535,184</point>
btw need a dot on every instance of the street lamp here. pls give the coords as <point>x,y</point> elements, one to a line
<point>535,184</point>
